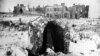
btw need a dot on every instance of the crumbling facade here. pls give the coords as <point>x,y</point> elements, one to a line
<point>62,11</point>
<point>19,9</point>
<point>57,11</point>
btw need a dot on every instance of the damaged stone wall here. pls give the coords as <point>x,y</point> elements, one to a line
<point>36,34</point>
<point>36,29</point>
<point>35,39</point>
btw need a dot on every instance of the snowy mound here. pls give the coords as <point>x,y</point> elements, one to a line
<point>13,42</point>
<point>86,40</point>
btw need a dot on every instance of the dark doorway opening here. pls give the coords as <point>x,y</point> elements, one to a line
<point>21,11</point>
<point>53,36</point>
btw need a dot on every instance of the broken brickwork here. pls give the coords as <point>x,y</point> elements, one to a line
<point>36,36</point>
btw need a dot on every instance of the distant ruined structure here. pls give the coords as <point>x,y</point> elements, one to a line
<point>62,11</point>
<point>19,9</point>
<point>55,11</point>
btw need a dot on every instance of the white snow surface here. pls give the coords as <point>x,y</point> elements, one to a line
<point>88,45</point>
<point>17,41</point>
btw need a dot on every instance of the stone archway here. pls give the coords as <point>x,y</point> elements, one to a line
<point>50,30</point>
<point>53,36</point>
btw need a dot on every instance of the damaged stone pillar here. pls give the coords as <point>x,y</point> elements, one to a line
<point>35,40</point>
<point>66,39</point>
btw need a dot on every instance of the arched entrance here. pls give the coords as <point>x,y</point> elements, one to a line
<point>53,36</point>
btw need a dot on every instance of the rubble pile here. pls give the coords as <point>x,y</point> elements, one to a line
<point>85,38</point>
<point>13,40</point>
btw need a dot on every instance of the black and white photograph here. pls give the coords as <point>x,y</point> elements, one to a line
<point>49,27</point>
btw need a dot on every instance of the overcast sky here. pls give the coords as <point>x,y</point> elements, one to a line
<point>5,5</point>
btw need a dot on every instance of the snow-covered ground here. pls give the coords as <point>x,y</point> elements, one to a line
<point>14,41</point>
<point>86,36</point>
<point>86,33</point>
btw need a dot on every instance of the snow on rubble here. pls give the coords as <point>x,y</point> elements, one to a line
<point>86,46</point>
<point>84,35</point>
<point>15,40</point>
<point>87,39</point>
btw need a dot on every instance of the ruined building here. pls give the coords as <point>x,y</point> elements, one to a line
<point>19,9</point>
<point>62,11</point>
<point>57,11</point>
